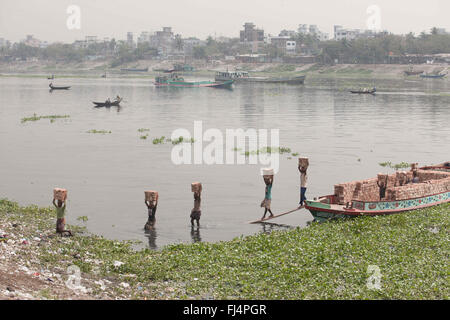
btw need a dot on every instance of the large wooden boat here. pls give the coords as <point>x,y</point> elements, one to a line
<point>362,198</point>
<point>134,70</point>
<point>413,73</point>
<point>433,76</point>
<point>243,76</point>
<point>176,81</point>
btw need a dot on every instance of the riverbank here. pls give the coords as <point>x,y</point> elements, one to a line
<point>96,69</point>
<point>323,261</point>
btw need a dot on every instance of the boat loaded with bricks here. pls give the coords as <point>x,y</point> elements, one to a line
<point>362,198</point>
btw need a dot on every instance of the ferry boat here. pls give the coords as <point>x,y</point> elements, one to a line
<point>362,198</point>
<point>175,80</point>
<point>243,76</point>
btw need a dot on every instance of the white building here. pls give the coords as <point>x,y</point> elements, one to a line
<point>313,30</point>
<point>350,34</point>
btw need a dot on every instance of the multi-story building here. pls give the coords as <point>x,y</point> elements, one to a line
<point>130,39</point>
<point>144,37</point>
<point>350,34</point>
<point>251,34</point>
<point>313,30</point>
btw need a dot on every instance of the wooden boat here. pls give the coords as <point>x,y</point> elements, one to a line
<point>243,76</point>
<point>413,73</point>
<point>114,103</point>
<point>371,91</point>
<point>361,198</point>
<point>176,81</point>
<point>438,167</point>
<point>433,76</point>
<point>52,87</point>
<point>134,70</point>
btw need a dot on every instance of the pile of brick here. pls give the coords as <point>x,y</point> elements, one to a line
<point>431,182</point>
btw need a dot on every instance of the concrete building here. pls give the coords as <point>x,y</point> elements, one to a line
<point>31,41</point>
<point>144,37</point>
<point>130,39</point>
<point>163,41</point>
<point>251,34</point>
<point>312,30</point>
<point>341,33</point>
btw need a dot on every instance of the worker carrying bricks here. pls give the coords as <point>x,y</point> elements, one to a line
<point>303,164</point>
<point>151,201</point>
<point>59,201</point>
<point>268,180</point>
<point>196,212</point>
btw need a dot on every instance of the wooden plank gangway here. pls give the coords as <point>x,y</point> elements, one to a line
<point>276,215</point>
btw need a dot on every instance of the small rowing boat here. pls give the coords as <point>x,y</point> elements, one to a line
<point>52,87</point>
<point>362,198</point>
<point>413,73</point>
<point>371,91</point>
<point>114,103</point>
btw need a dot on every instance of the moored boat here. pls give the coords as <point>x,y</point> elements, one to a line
<point>176,81</point>
<point>362,198</point>
<point>243,76</point>
<point>413,73</point>
<point>433,76</point>
<point>134,70</point>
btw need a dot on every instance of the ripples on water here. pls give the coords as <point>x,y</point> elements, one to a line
<point>344,135</point>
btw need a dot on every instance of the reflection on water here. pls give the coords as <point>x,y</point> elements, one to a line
<point>344,135</point>
<point>195,234</point>
<point>151,235</point>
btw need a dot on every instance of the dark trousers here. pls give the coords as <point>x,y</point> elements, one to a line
<point>302,195</point>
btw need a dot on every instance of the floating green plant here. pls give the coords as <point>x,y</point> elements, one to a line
<point>159,140</point>
<point>182,139</point>
<point>52,118</point>
<point>144,137</point>
<point>98,131</point>
<point>83,218</point>
<point>143,130</point>
<point>295,154</point>
<point>397,166</point>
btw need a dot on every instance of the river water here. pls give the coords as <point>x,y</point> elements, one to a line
<point>345,136</point>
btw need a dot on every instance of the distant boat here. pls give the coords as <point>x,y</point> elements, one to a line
<point>433,76</point>
<point>413,73</point>
<point>52,87</point>
<point>177,81</point>
<point>242,76</point>
<point>371,91</point>
<point>134,70</point>
<point>115,103</point>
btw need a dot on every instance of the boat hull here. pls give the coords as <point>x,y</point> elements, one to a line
<point>323,211</point>
<point>438,76</point>
<point>198,84</point>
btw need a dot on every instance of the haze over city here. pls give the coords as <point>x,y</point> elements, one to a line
<point>46,19</point>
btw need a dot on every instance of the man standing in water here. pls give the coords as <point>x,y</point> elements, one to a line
<point>196,211</point>
<point>151,201</point>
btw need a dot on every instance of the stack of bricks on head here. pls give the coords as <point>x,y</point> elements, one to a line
<point>430,183</point>
<point>60,194</point>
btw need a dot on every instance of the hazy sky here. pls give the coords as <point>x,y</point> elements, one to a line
<point>46,19</point>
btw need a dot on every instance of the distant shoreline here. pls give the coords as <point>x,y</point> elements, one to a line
<point>97,69</point>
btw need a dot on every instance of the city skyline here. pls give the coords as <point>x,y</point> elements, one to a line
<point>47,19</point>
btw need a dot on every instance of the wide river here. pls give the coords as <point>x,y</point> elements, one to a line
<point>345,136</point>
